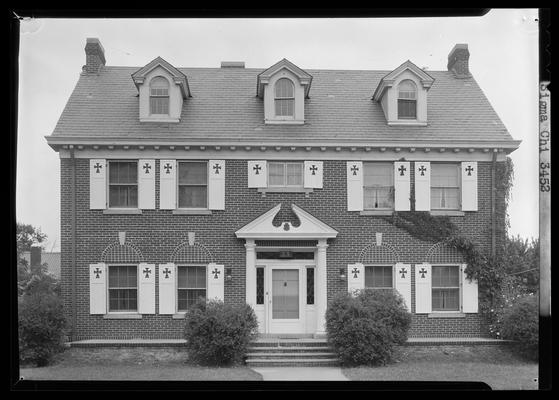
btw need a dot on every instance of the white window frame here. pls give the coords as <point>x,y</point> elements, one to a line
<point>391,168</point>
<point>137,311</point>
<point>157,96</point>
<point>458,188</point>
<point>459,289</point>
<point>284,117</point>
<point>186,265</point>
<point>391,266</point>
<point>415,99</point>
<point>108,184</point>
<point>178,185</point>
<point>284,163</point>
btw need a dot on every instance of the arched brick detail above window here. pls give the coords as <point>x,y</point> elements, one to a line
<point>185,253</point>
<point>384,254</point>
<point>441,253</point>
<point>127,253</point>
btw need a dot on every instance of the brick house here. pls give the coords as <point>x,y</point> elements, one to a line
<point>272,187</point>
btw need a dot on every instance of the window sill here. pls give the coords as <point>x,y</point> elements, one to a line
<point>192,212</point>
<point>376,212</point>
<point>284,122</point>
<point>446,314</point>
<point>122,211</point>
<point>180,315</point>
<point>407,123</point>
<point>285,190</point>
<point>122,316</point>
<point>449,213</point>
<point>161,120</point>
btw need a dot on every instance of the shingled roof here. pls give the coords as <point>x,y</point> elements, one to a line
<point>224,107</point>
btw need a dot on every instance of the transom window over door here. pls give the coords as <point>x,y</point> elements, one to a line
<point>284,98</point>
<point>123,288</point>
<point>123,184</point>
<point>378,186</point>
<point>285,174</point>
<point>407,100</point>
<point>445,186</point>
<point>193,184</point>
<point>191,285</point>
<point>446,288</point>
<point>159,96</point>
<point>378,277</point>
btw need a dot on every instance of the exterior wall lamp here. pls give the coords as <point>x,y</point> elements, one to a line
<point>342,274</point>
<point>228,274</point>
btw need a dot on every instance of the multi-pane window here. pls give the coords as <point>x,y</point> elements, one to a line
<point>407,100</point>
<point>123,288</point>
<point>159,96</point>
<point>445,186</point>
<point>378,276</point>
<point>310,286</point>
<point>284,98</point>
<point>446,288</point>
<point>123,184</point>
<point>285,174</point>
<point>260,285</point>
<point>193,184</point>
<point>191,285</point>
<point>378,186</point>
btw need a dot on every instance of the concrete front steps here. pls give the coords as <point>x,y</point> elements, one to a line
<point>296,352</point>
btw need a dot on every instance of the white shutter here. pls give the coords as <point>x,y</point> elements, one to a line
<point>355,277</point>
<point>402,186</point>
<point>146,184</point>
<point>215,281</point>
<point>168,184</point>
<point>257,174</point>
<point>423,289</point>
<point>97,184</point>
<point>216,185</point>
<point>313,174</point>
<point>167,288</point>
<point>355,186</point>
<point>469,186</point>
<point>469,293</point>
<point>146,288</point>
<point>402,282</point>
<point>98,288</point>
<point>422,186</point>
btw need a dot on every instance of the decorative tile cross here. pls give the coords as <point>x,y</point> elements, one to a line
<point>402,169</point>
<point>257,168</point>
<point>422,169</point>
<point>147,167</point>
<point>147,271</point>
<point>423,271</point>
<point>313,169</point>
<point>403,271</point>
<point>354,169</point>
<point>217,167</point>
<point>97,168</point>
<point>168,168</point>
<point>97,272</point>
<point>216,272</point>
<point>469,170</point>
<point>355,271</point>
<point>166,271</point>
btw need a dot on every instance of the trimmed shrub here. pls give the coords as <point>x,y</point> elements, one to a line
<point>41,327</point>
<point>218,333</point>
<point>363,329</point>
<point>520,323</point>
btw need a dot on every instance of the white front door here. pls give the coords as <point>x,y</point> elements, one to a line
<point>285,297</point>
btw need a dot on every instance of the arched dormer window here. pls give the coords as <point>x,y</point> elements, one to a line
<point>159,96</point>
<point>284,98</point>
<point>407,100</point>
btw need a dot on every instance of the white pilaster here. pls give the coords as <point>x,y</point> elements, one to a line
<point>250,272</point>
<point>320,289</point>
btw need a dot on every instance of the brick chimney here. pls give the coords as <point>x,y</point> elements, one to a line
<point>458,61</point>
<point>35,256</point>
<point>94,56</point>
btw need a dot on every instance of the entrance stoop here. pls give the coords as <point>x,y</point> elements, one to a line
<point>290,352</point>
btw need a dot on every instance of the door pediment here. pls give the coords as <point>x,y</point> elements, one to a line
<point>263,227</point>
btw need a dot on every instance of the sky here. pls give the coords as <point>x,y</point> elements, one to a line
<point>503,48</point>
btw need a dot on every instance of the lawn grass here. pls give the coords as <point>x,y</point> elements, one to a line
<point>493,365</point>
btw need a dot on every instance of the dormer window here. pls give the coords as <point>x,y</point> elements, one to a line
<point>284,98</point>
<point>407,100</point>
<point>159,96</point>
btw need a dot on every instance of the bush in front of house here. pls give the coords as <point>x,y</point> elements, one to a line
<point>364,329</point>
<point>520,323</point>
<point>41,327</point>
<point>218,333</point>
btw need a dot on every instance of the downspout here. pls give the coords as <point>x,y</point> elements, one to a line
<point>493,200</point>
<point>73,239</point>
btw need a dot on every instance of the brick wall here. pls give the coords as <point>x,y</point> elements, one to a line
<point>156,233</point>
